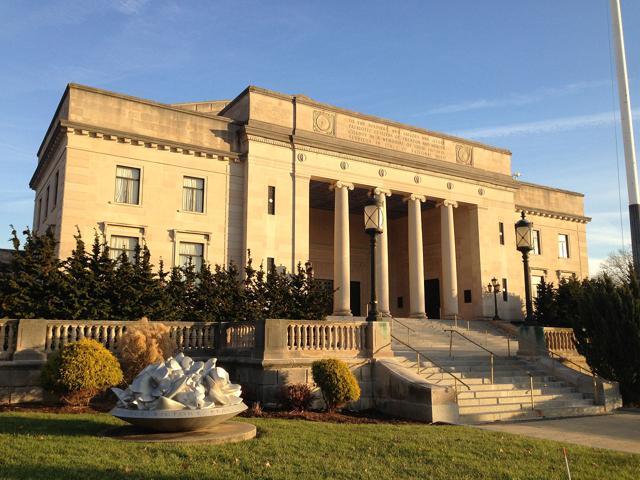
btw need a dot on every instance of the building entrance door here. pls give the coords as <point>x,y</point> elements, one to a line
<point>355,299</point>
<point>432,297</point>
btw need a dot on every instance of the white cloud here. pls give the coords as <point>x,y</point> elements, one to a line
<point>594,265</point>
<point>130,7</point>
<point>514,99</point>
<point>551,125</point>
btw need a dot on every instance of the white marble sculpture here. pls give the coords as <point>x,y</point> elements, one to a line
<point>179,383</point>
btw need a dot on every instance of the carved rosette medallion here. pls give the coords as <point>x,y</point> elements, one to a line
<point>417,179</point>
<point>382,172</point>
<point>464,155</point>
<point>449,186</point>
<point>344,165</point>
<point>301,157</point>
<point>324,122</point>
<point>481,191</point>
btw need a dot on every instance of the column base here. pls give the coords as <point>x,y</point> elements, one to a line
<point>419,315</point>
<point>342,313</point>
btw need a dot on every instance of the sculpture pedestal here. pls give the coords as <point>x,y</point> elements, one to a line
<point>228,432</point>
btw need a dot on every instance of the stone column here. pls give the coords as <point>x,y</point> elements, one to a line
<point>341,247</point>
<point>416,262</point>
<point>382,257</point>
<point>449,268</point>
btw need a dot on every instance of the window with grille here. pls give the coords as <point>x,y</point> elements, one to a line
<point>271,205</point>
<point>536,241</point>
<point>127,185</point>
<point>271,265</point>
<point>119,245</point>
<point>39,212</point>
<point>46,203</point>
<point>505,292</point>
<point>501,232</point>
<point>193,194</point>
<point>563,246</point>
<point>191,252</point>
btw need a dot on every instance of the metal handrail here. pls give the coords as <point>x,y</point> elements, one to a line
<point>409,329</point>
<point>594,376</point>
<point>491,354</point>
<point>418,353</point>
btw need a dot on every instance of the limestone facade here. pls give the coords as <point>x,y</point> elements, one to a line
<point>287,177</point>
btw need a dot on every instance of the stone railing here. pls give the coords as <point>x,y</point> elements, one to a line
<point>326,336</point>
<point>8,336</point>
<point>36,339</point>
<point>239,336</point>
<point>560,339</point>
<point>188,336</point>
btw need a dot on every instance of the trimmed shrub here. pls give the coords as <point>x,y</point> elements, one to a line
<point>142,344</point>
<point>80,371</point>
<point>337,384</point>
<point>296,396</point>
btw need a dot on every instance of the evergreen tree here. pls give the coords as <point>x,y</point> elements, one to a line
<point>78,283</point>
<point>545,305</point>
<point>103,281</point>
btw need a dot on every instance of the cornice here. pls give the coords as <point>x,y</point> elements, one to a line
<point>552,214</point>
<point>66,127</point>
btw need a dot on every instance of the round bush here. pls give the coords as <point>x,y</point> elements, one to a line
<point>80,371</point>
<point>142,344</point>
<point>337,384</point>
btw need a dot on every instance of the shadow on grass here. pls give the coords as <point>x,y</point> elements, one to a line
<point>45,425</point>
<point>50,472</point>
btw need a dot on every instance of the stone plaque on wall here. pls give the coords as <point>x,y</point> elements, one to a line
<point>464,155</point>
<point>324,122</point>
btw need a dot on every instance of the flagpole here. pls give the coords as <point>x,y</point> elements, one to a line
<point>627,133</point>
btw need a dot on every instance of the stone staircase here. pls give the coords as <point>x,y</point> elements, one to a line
<point>510,396</point>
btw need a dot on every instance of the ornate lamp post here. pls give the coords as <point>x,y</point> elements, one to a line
<point>373,226</point>
<point>524,243</point>
<point>494,287</point>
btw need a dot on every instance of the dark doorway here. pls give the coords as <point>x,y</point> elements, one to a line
<point>432,297</point>
<point>355,298</point>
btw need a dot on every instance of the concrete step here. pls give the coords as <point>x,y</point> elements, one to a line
<point>465,394</point>
<point>500,386</point>
<point>522,399</point>
<point>518,406</point>
<point>517,415</point>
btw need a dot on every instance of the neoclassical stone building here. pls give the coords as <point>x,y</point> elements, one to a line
<point>287,177</point>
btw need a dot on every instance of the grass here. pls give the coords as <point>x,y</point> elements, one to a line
<point>68,446</point>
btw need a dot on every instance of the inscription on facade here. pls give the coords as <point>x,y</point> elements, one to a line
<point>393,138</point>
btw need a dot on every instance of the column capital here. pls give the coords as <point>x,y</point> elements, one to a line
<point>341,184</point>
<point>415,196</point>
<point>448,203</point>
<point>381,191</point>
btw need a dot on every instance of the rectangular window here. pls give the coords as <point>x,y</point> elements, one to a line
<point>119,245</point>
<point>55,190</point>
<point>271,205</point>
<point>563,246</point>
<point>191,252</point>
<point>46,203</point>
<point>193,194</point>
<point>536,280</point>
<point>127,185</point>
<point>271,264</point>
<point>505,292</point>
<point>535,234</point>
<point>501,232</point>
<point>39,212</point>
<point>467,296</point>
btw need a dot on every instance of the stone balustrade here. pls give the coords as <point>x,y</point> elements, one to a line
<point>560,339</point>
<point>8,335</point>
<point>239,336</point>
<point>326,337</point>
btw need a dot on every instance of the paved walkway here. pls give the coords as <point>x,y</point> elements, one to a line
<point>620,431</point>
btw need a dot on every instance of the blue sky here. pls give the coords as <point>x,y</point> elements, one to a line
<point>533,76</point>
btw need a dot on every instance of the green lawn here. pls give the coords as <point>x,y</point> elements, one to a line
<point>66,446</point>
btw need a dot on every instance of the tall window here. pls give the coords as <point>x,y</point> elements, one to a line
<point>536,280</point>
<point>191,252</point>
<point>271,205</point>
<point>119,244</point>
<point>505,290</point>
<point>563,246</point>
<point>193,194</point>
<point>55,190</point>
<point>535,234</point>
<point>127,185</point>
<point>501,232</point>
<point>46,203</point>
<point>39,212</point>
